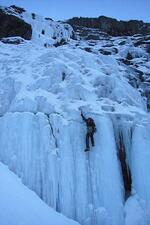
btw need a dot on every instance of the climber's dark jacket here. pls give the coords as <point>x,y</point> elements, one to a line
<point>91,128</point>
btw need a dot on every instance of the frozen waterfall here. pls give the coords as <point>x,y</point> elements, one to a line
<point>47,152</point>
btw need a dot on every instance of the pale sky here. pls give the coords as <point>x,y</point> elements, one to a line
<point>65,9</point>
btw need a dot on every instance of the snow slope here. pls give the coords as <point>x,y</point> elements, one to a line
<point>42,135</point>
<point>21,206</point>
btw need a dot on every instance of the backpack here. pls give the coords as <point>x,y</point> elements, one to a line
<point>90,125</point>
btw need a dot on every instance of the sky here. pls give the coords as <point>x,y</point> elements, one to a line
<point>65,9</point>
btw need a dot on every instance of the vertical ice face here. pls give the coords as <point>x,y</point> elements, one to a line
<point>136,143</point>
<point>106,171</point>
<point>140,155</point>
<point>123,134</point>
<point>47,152</point>
<point>7,93</point>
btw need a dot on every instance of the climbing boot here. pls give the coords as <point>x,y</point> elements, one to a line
<point>87,149</point>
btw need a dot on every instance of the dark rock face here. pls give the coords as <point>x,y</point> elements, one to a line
<point>12,40</point>
<point>104,52</point>
<point>112,26</point>
<point>126,61</point>
<point>88,49</point>
<point>17,9</point>
<point>90,33</point>
<point>11,26</point>
<point>60,43</point>
<point>33,16</point>
<point>148,48</point>
<point>47,18</point>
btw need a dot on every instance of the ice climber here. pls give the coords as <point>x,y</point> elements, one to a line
<point>91,129</point>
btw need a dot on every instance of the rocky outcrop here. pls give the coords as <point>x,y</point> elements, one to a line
<point>11,26</point>
<point>17,9</point>
<point>112,26</point>
<point>13,40</point>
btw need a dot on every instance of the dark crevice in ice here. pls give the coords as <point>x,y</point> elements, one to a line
<point>124,167</point>
<point>52,130</point>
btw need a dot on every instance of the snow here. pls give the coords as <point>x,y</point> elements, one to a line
<point>21,206</point>
<point>42,135</point>
<point>87,77</point>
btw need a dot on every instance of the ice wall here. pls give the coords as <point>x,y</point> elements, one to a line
<point>134,132</point>
<point>140,159</point>
<point>47,152</point>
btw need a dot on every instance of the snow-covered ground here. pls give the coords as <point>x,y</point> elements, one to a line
<point>42,135</point>
<point>21,206</point>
